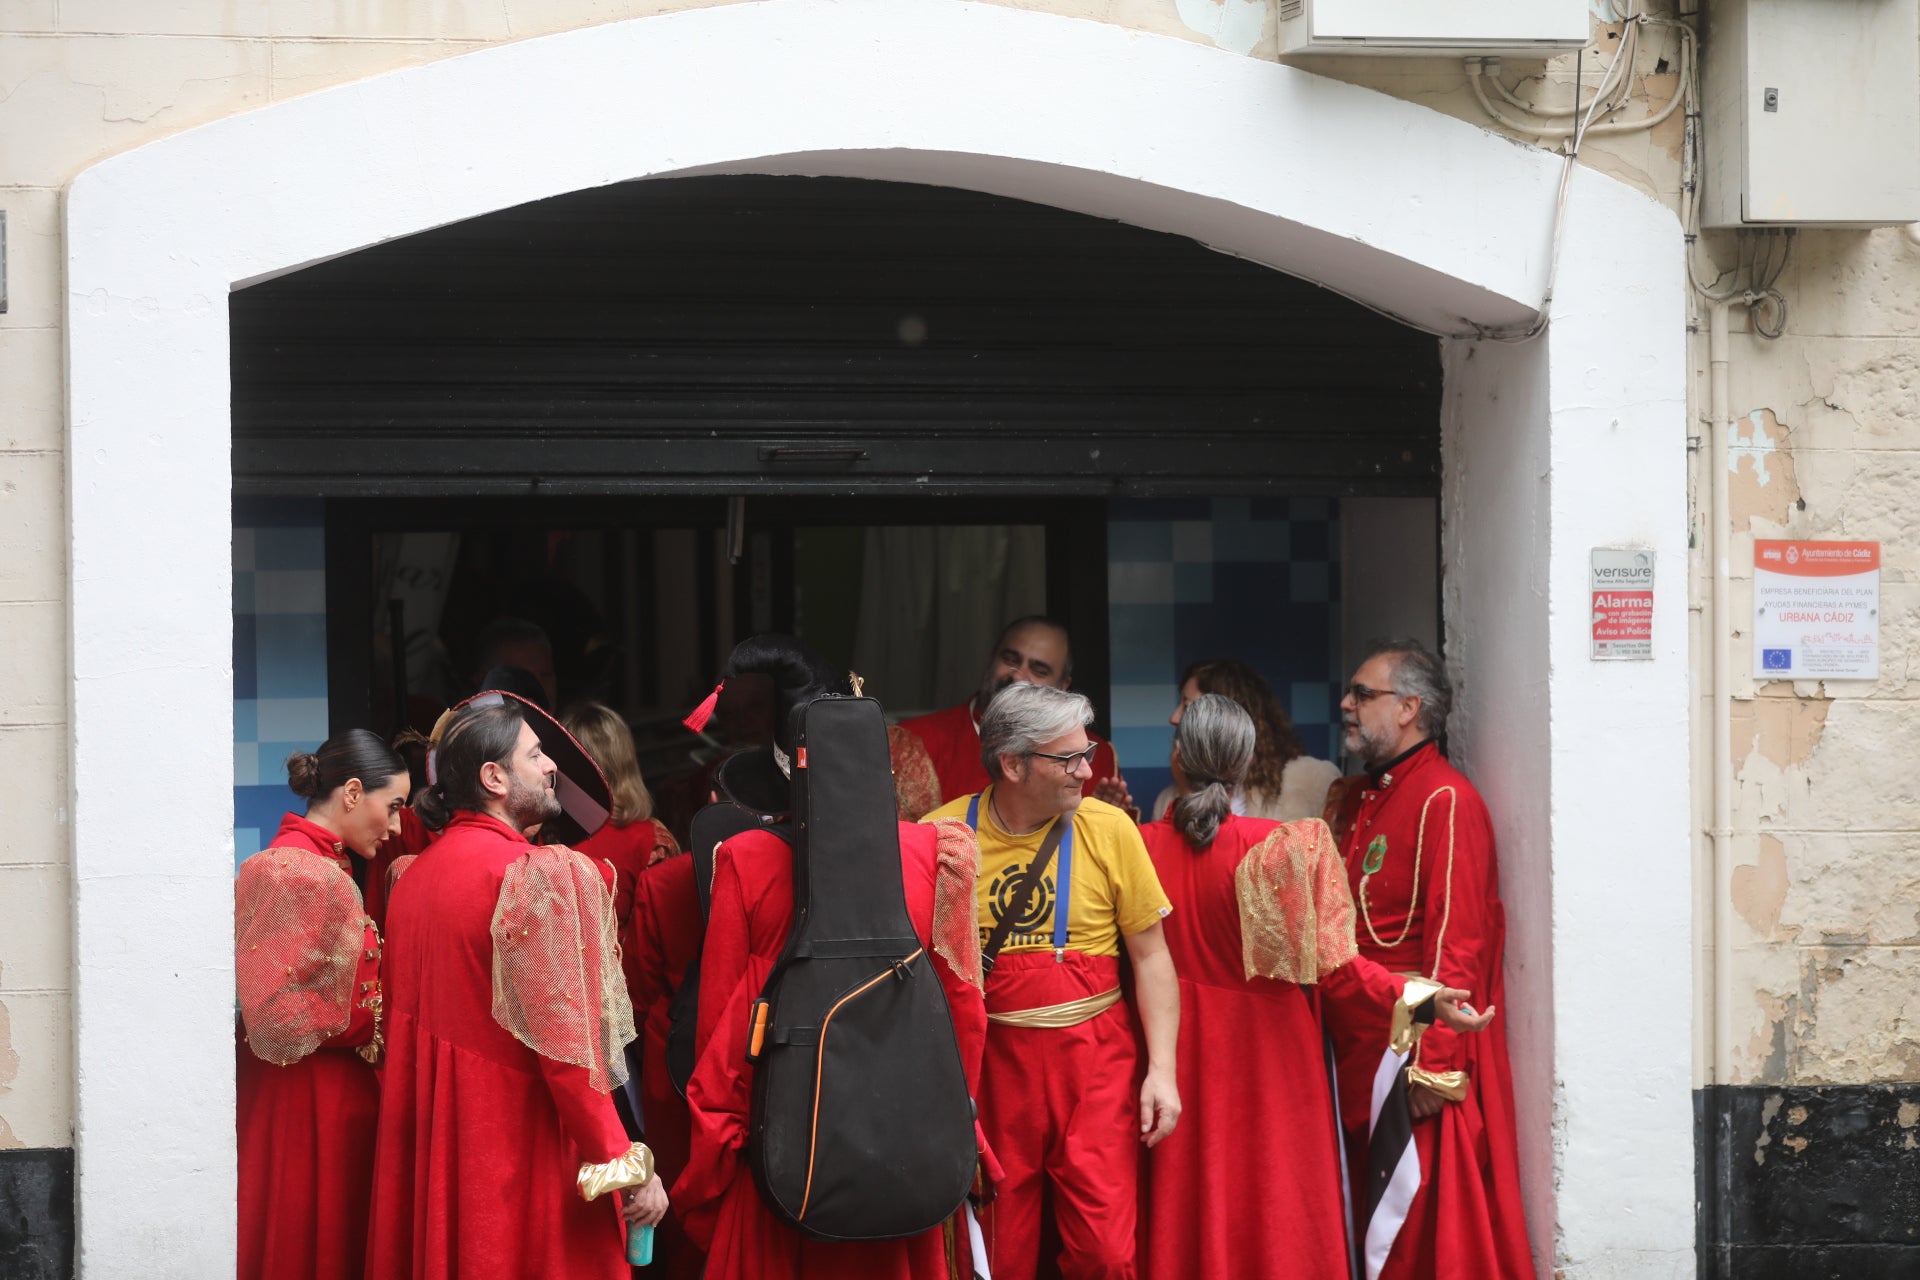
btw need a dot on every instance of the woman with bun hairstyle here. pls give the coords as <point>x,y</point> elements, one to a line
<point>633,838</point>
<point>1262,938</point>
<point>307,961</point>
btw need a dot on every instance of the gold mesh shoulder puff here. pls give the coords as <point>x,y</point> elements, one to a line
<point>1296,911</point>
<point>956,932</point>
<point>557,984</point>
<point>298,925</point>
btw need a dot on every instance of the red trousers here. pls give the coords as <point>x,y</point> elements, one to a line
<point>1060,1108</point>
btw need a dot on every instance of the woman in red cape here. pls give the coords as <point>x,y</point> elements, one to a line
<point>307,959</point>
<point>751,917</point>
<point>633,838</point>
<point>1249,1185</point>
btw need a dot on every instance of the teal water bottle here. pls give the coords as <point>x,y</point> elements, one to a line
<point>639,1246</point>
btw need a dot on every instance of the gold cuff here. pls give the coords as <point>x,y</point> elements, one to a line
<point>1068,1014</point>
<point>1451,1085</point>
<point>376,1045</point>
<point>1406,1032</point>
<point>634,1169</point>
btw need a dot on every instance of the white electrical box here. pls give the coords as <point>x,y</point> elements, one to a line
<point>1811,113</point>
<point>1514,28</point>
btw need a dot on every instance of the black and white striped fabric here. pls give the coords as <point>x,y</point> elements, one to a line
<point>1393,1163</point>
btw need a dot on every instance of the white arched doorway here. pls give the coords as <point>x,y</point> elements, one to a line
<point>1572,441</point>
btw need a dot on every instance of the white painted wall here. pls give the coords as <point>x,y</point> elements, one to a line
<point>1377,197</point>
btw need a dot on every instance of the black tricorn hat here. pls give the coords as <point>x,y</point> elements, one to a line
<point>754,778</point>
<point>580,787</point>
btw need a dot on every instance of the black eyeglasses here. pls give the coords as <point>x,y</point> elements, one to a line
<point>1360,693</point>
<point>1067,762</point>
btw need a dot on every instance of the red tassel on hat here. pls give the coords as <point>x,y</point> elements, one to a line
<point>697,719</point>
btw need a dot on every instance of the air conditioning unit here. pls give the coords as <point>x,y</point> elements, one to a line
<point>1514,28</point>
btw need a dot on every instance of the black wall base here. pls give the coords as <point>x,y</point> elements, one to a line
<point>36,1214</point>
<point>1808,1183</point>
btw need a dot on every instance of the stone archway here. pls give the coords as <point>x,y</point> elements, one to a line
<point>1572,441</point>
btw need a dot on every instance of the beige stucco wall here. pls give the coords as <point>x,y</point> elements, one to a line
<point>1823,989</point>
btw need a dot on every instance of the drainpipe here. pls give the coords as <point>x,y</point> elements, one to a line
<point>1720,829</point>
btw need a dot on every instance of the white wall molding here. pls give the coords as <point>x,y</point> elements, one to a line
<point>1397,205</point>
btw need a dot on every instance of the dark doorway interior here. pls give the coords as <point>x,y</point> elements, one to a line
<point>556,406</point>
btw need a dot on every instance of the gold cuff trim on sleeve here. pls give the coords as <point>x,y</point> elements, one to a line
<point>1406,1032</point>
<point>376,1044</point>
<point>1451,1085</point>
<point>634,1169</point>
<point>1070,1014</point>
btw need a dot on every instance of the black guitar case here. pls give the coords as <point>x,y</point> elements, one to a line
<point>862,1128</point>
<point>718,822</point>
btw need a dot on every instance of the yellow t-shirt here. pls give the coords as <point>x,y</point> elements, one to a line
<point>1114,886</point>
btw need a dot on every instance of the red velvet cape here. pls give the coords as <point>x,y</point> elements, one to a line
<point>630,850</point>
<point>952,739</point>
<point>1466,1221</point>
<point>752,912</point>
<point>306,1132</point>
<point>480,1138</point>
<point>1248,1184</point>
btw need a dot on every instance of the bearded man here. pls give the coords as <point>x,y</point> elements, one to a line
<point>1030,650</point>
<point>1434,1162</point>
<point>506,1020</point>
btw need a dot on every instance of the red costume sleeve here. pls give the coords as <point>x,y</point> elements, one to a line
<point>719,1096</point>
<point>1458,921</point>
<point>586,1114</point>
<point>916,784</point>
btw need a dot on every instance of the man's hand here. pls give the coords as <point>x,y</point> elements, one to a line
<point>646,1206</point>
<point>1114,791</point>
<point>1423,1102</point>
<point>1451,1009</point>
<point>1159,1105</point>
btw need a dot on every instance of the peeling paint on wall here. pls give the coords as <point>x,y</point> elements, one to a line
<point>1233,25</point>
<point>1759,892</point>
<point>9,1070</point>
<point>1762,485</point>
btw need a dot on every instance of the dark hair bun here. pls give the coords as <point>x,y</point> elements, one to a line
<point>303,774</point>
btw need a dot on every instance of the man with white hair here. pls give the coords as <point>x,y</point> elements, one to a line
<point>1063,882</point>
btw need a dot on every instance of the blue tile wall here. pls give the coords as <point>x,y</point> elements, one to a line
<point>279,657</point>
<point>1251,578</point>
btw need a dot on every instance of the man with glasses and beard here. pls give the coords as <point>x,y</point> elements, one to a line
<point>1418,846</point>
<point>1031,650</point>
<point>506,1016</point>
<point>1064,882</point>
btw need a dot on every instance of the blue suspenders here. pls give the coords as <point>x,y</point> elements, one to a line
<point>1063,859</point>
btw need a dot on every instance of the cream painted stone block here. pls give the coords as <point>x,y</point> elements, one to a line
<point>1860,1022</point>
<point>36,1069</point>
<point>165,17</point>
<point>68,101</point>
<point>1861,494</point>
<point>1856,284</point>
<point>33,760</point>
<point>1849,889</point>
<point>388,20</point>
<point>27,15</point>
<point>33,257</point>
<point>1862,774</point>
<point>304,66</point>
<point>36,929</point>
<point>1764,987</point>
<point>1873,382</point>
<point>32,398</point>
<point>33,526</point>
<point>33,663</point>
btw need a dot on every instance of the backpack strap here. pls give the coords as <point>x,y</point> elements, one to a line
<point>1059,838</point>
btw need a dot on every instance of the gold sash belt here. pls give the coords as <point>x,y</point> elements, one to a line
<point>1070,1014</point>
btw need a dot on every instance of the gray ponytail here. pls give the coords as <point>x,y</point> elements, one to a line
<point>1215,741</point>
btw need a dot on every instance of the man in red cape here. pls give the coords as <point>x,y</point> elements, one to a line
<point>1035,650</point>
<point>1425,880</point>
<point>751,917</point>
<point>506,1021</point>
